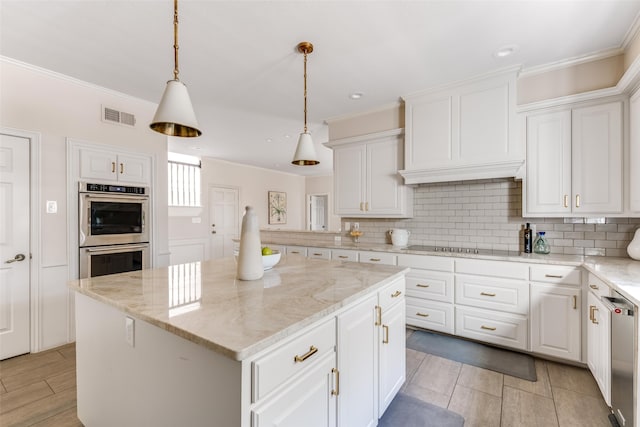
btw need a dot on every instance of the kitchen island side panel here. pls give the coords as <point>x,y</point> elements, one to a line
<point>163,380</point>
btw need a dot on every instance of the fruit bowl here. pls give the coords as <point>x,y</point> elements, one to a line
<point>268,261</point>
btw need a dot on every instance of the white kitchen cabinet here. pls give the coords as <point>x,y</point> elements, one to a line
<point>391,340</point>
<point>309,401</point>
<point>574,161</point>
<point>372,257</point>
<point>366,179</point>
<point>358,364</point>
<point>463,131</point>
<point>319,253</point>
<point>634,153</point>
<point>506,329</point>
<point>599,344</point>
<point>344,255</point>
<point>555,320</point>
<point>110,166</point>
<point>296,251</point>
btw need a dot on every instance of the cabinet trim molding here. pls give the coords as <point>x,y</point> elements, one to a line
<point>364,138</point>
<point>465,172</point>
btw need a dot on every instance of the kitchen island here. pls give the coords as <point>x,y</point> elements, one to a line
<point>191,345</point>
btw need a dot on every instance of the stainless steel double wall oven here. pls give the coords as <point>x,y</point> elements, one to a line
<point>114,231</point>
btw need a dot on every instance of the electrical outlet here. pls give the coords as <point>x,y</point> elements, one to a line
<point>52,206</point>
<point>347,225</point>
<point>129,331</point>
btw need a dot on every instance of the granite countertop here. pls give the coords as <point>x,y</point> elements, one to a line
<point>622,274</point>
<point>204,303</point>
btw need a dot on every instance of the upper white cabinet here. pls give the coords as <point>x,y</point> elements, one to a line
<point>110,166</point>
<point>634,153</point>
<point>466,131</point>
<point>574,161</point>
<point>366,179</point>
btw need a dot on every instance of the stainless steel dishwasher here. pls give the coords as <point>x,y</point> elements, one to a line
<point>623,341</point>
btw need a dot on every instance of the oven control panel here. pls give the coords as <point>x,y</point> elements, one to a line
<point>111,188</point>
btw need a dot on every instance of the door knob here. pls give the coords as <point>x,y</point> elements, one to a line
<point>19,257</point>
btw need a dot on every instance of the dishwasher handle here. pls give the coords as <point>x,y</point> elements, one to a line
<point>617,305</point>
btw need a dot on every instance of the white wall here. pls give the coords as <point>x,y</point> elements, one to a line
<point>58,107</point>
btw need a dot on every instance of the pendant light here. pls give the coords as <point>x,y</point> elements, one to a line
<point>175,115</point>
<point>305,152</point>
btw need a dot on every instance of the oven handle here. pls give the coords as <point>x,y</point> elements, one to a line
<point>112,248</point>
<point>114,196</point>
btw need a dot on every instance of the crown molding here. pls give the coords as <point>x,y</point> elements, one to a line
<point>632,32</point>
<point>69,79</point>
<point>571,62</point>
<point>384,107</point>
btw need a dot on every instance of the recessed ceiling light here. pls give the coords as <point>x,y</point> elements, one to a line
<point>356,95</point>
<point>505,51</point>
<point>269,140</point>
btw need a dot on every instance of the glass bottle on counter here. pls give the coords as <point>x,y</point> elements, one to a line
<point>541,246</point>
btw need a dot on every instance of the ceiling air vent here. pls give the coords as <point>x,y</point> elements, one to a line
<point>111,115</point>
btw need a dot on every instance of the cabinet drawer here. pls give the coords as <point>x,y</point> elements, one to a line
<point>437,316</point>
<point>598,287</point>
<point>344,255</point>
<point>426,262</point>
<point>377,257</point>
<point>502,329</point>
<point>296,251</point>
<point>510,270</point>
<point>281,364</point>
<point>320,253</point>
<point>391,294</point>
<point>492,293</point>
<point>433,285</point>
<point>559,274</point>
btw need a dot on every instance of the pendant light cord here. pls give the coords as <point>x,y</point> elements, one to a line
<point>305,91</point>
<point>175,40</point>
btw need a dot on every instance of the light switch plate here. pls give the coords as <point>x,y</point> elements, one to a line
<point>52,206</point>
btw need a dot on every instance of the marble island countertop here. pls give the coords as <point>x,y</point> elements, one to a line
<point>204,303</point>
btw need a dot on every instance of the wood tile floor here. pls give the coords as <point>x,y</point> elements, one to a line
<point>40,390</point>
<point>564,396</point>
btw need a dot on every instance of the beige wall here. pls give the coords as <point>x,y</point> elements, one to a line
<point>600,74</point>
<point>386,118</point>
<point>57,107</point>
<point>632,51</point>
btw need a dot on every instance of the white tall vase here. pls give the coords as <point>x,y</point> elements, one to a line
<point>250,253</point>
<point>634,247</point>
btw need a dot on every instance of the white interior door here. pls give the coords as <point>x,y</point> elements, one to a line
<point>318,204</point>
<point>14,246</point>
<point>225,217</point>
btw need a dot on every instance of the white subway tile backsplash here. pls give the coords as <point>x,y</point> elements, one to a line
<point>487,214</point>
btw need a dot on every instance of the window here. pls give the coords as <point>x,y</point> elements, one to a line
<point>184,180</point>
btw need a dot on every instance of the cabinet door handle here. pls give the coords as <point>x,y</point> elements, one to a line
<point>317,254</point>
<point>577,200</point>
<point>488,328</point>
<point>566,200</point>
<point>422,314</point>
<point>594,287</point>
<point>312,350</point>
<point>591,307</point>
<point>553,276</point>
<point>343,256</point>
<point>575,302</point>
<point>396,294</point>
<point>420,285</point>
<point>361,206</point>
<point>593,320</point>
<point>375,259</point>
<point>295,252</point>
<point>488,294</point>
<point>366,206</point>
<point>378,315</point>
<point>121,168</point>
<point>385,336</point>
<point>336,391</point>
<point>113,167</point>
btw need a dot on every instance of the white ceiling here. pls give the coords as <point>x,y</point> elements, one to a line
<point>244,75</point>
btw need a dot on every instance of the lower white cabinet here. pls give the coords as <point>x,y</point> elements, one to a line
<point>509,330</point>
<point>392,372</point>
<point>357,364</point>
<point>599,344</point>
<point>555,320</point>
<point>310,400</point>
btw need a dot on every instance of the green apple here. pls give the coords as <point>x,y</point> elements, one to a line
<point>267,251</point>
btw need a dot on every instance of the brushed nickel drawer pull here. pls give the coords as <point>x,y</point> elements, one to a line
<point>422,314</point>
<point>121,168</point>
<point>553,276</point>
<point>488,294</point>
<point>488,328</point>
<point>312,350</point>
<point>594,287</point>
<point>337,389</point>
<point>575,302</point>
<point>343,256</point>
<point>420,285</point>
<point>378,315</point>
<point>295,252</point>
<point>375,259</point>
<point>385,337</point>
<point>317,254</point>
<point>396,294</point>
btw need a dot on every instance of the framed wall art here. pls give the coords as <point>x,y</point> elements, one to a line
<point>277,207</point>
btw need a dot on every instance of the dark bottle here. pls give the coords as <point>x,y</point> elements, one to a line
<point>528,239</point>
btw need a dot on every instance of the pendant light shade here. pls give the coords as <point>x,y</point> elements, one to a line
<point>175,115</point>
<point>305,152</point>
